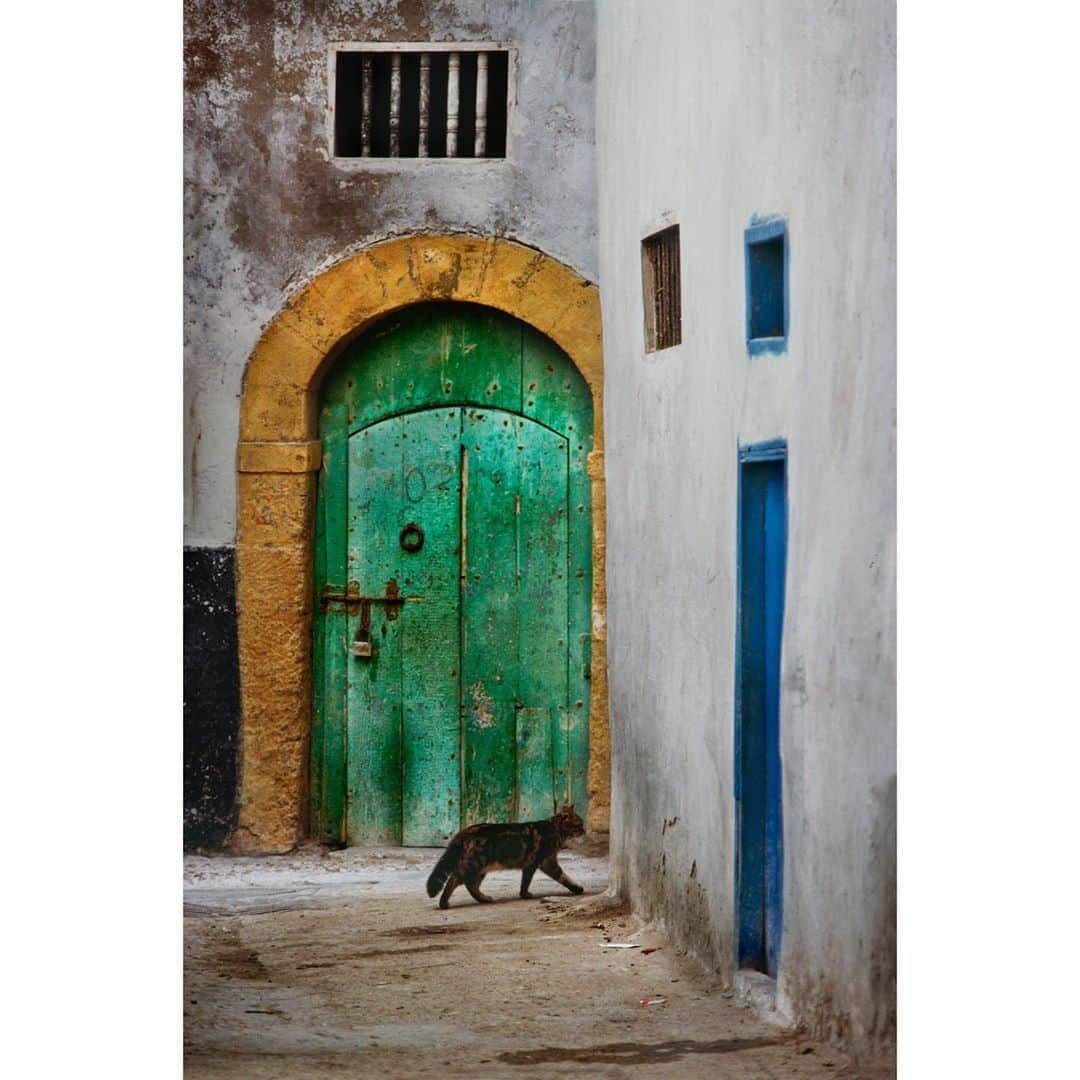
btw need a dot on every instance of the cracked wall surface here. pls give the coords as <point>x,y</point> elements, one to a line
<point>266,211</point>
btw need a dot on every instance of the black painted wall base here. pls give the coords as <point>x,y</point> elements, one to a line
<point>211,697</point>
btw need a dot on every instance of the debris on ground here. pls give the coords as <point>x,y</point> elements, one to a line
<point>296,971</point>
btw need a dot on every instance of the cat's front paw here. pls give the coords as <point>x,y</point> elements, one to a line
<point>525,894</point>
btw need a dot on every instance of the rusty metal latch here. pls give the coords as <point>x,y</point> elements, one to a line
<point>333,594</point>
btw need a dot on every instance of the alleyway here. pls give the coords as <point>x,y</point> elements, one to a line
<point>338,965</point>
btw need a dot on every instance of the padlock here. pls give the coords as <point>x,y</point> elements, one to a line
<point>361,644</point>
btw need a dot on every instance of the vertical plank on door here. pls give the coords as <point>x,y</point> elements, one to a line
<point>374,684</point>
<point>429,627</point>
<point>775,542</point>
<point>579,615</point>
<point>751,668</point>
<point>542,606</point>
<point>489,617</point>
<point>555,394</point>
<point>334,523</point>
<point>317,809</point>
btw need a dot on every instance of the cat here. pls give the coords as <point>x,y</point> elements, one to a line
<point>527,846</point>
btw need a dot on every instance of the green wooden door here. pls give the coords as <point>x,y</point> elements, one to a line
<point>462,695</point>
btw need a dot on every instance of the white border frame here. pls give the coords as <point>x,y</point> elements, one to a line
<point>382,164</point>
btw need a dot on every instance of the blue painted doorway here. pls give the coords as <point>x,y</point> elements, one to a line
<point>762,556</point>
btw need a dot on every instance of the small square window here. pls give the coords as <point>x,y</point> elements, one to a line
<point>661,289</point>
<point>767,287</point>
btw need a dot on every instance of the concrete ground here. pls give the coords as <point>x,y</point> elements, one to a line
<point>336,964</point>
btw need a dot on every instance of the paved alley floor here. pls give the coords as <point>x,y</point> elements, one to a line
<point>336,964</point>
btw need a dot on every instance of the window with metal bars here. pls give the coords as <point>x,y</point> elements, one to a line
<point>435,100</point>
<point>661,289</point>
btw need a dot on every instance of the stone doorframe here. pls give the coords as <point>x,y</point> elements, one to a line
<point>278,457</point>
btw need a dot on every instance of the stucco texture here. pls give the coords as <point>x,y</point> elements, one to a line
<point>713,114</point>
<point>267,210</point>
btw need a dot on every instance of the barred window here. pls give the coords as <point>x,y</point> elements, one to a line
<point>661,289</point>
<point>437,100</point>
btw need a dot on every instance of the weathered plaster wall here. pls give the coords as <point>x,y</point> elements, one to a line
<point>266,210</point>
<point>710,112</point>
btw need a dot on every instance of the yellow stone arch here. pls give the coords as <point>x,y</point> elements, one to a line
<point>279,454</point>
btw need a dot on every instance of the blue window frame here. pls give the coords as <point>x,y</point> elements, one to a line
<point>767,307</point>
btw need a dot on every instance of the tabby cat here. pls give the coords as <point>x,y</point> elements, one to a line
<point>527,846</point>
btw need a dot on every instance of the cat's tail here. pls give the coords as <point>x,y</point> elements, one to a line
<point>444,867</point>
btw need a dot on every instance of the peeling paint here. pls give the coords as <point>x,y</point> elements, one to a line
<point>266,211</point>
<point>483,715</point>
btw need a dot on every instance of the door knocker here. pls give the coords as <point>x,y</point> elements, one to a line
<point>412,537</point>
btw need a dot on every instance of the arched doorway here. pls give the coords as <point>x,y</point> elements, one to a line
<point>278,460</point>
<point>453,547</point>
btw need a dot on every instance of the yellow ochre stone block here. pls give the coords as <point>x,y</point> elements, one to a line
<point>274,596</point>
<point>275,508</point>
<point>278,457</point>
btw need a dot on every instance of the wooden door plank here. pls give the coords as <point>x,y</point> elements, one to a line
<point>555,394</point>
<point>775,545</point>
<point>429,628</point>
<point>579,614</point>
<point>751,716</point>
<point>374,684</point>
<point>489,620</point>
<point>334,520</point>
<point>553,391</point>
<point>542,747</point>
<point>318,824</point>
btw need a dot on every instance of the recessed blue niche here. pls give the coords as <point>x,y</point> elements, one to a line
<point>767,306</point>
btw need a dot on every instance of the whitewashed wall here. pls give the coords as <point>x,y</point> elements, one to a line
<point>710,112</point>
